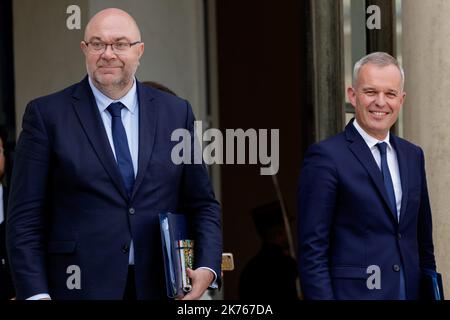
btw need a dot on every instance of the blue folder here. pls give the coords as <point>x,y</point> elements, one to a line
<point>174,227</point>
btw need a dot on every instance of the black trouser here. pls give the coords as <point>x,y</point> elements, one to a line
<point>130,288</point>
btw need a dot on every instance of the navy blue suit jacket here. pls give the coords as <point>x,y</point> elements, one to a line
<point>68,205</point>
<point>345,223</point>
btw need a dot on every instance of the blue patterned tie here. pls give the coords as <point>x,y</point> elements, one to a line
<point>391,195</point>
<point>120,141</point>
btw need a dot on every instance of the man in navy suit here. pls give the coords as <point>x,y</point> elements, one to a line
<point>92,172</point>
<point>365,229</point>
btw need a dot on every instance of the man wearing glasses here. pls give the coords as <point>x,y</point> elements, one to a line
<point>92,172</point>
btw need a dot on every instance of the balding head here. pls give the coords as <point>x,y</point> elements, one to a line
<point>113,19</point>
<point>112,46</point>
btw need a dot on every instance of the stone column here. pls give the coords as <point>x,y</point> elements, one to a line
<point>325,68</point>
<point>426,44</point>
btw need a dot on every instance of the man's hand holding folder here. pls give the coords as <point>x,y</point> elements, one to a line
<point>201,280</point>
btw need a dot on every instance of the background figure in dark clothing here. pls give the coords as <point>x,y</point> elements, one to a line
<point>159,86</point>
<point>6,286</point>
<point>272,273</point>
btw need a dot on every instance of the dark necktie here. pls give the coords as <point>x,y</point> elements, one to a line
<point>387,177</point>
<point>391,195</point>
<point>120,142</point>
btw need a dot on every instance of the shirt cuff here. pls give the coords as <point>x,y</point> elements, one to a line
<point>39,296</point>
<point>214,284</point>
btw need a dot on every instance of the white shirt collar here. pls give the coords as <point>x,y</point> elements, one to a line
<point>370,141</point>
<point>129,100</point>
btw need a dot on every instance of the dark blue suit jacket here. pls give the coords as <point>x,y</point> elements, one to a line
<point>345,223</point>
<point>68,205</point>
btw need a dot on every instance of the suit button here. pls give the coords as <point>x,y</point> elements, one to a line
<point>399,236</point>
<point>396,267</point>
<point>131,210</point>
<point>125,249</point>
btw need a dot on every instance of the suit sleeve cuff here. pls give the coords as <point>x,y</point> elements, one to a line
<point>214,284</point>
<point>39,296</point>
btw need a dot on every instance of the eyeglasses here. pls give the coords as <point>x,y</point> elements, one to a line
<point>117,47</point>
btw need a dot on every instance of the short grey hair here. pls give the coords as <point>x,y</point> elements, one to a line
<point>380,59</point>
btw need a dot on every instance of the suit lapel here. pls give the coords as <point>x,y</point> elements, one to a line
<point>87,112</point>
<point>362,152</point>
<point>147,132</point>
<point>403,167</point>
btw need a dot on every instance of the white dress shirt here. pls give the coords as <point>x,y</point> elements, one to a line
<point>391,160</point>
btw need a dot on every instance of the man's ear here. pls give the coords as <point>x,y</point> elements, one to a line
<point>83,47</point>
<point>403,98</point>
<point>351,95</point>
<point>141,49</point>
